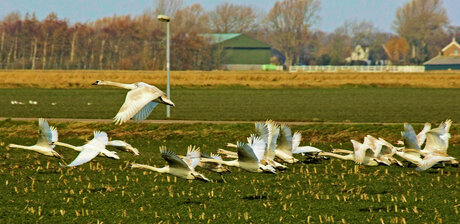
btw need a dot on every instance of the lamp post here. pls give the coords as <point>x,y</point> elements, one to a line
<point>166,19</point>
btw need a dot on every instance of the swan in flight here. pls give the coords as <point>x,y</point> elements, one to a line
<point>247,160</point>
<point>91,149</point>
<point>361,154</point>
<point>139,102</point>
<point>46,135</point>
<point>289,145</point>
<point>263,145</point>
<point>383,151</point>
<point>215,167</point>
<point>183,168</point>
<point>123,146</point>
<point>194,155</point>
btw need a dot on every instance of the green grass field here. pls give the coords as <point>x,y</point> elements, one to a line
<point>354,104</point>
<point>35,189</point>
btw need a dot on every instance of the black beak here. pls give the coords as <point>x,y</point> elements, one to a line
<point>95,83</point>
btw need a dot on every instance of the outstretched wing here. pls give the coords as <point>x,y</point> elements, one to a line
<point>274,132</point>
<point>100,137</point>
<point>45,135</point>
<point>285,140</point>
<point>145,111</point>
<point>246,153</point>
<point>296,139</point>
<point>135,101</point>
<point>421,136</point>
<point>87,154</point>
<point>193,155</point>
<point>173,160</point>
<point>437,140</point>
<point>409,137</point>
<point>258,146</point>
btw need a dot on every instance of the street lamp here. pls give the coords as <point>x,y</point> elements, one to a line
<point>166,19</point>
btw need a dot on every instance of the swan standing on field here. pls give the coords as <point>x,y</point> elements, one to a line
<point>176,166</point>
<point>46,135</point>
<point>123,146</point>
<point>139,102</point>
<point>91,149</point>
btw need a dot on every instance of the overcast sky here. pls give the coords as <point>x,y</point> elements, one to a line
<point>332,15</point>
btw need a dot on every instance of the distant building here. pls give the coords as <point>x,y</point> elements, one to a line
<point>449,59</point>
<point>240,52</point>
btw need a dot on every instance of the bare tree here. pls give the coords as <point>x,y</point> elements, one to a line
<point>289,23</point>
<point>422,23</point>
<point>191,18</point>
<point>230,18</point>
<point>167,7</point>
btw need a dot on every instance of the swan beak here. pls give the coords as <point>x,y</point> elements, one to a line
<point>167,101</point>
<point>96,83</point>
<point>51,143</point>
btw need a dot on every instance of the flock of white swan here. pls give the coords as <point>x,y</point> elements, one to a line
<point>268,149</point>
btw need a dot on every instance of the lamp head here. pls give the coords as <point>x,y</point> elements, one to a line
<point>163,18</point>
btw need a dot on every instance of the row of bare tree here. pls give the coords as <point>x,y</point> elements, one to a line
<point>126,42</point>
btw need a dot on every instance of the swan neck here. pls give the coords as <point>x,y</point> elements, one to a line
<point>68,146</point>
<point>118,84</point>
<point>347,157</point>
<point>19,146</point>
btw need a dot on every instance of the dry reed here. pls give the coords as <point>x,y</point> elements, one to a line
<point>253,79</point>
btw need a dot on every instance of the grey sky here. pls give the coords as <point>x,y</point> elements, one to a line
<point>332,15</point>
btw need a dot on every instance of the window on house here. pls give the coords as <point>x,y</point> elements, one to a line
<point>456,52</point>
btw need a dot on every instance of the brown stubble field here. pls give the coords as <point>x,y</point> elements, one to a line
<point>252,79</point>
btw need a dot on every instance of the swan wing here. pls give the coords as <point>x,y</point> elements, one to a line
<point>409,137</point>
<point>274,132</point>
<point>285,140</point>
<point>145,111</point>
<point>100,137</point>
<point>135,101</point>
<point>262,130</point>
<point>193,156</point>
<point>45,135</point>
<point>359,151</point>
<point>246,153</point>
<point>173,160</point>
<point>421,136</point>
<point>296,139</point>
<point>88,153</point>
<point>437,140</point>
<point>258,146</point>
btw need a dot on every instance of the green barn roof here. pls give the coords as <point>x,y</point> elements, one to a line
<point>235,40</point>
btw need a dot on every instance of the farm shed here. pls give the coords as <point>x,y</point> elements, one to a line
<point>240,52</point>
<point>449,59</point>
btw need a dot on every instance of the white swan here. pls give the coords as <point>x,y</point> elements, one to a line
<point>123,146</point>
<point>216,167</point>
<point>46,135</point>
<point>91,149</point>
<point>139,102</point>
<point>264,145</point>
<point>247,160</point>
<point>362,154</point>
<point>289,145</point>
<point>176,166</point>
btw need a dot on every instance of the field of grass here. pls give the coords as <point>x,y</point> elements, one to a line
<point>361,104</point>
<point>35,189</point>
<point>253,79</point>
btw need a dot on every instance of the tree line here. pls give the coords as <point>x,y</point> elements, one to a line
<point>138,42</point>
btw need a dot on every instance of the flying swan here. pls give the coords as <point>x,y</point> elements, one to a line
<point>139,102</point>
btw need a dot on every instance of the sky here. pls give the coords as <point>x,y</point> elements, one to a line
<point>333,13</point>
